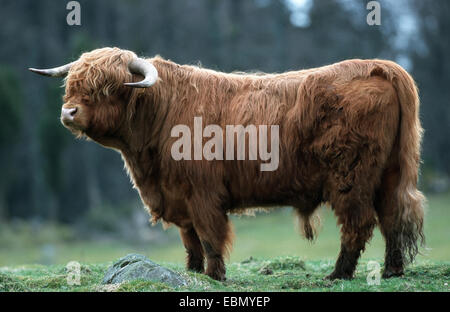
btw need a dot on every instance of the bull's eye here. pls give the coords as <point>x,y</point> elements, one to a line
<point>85,100</point>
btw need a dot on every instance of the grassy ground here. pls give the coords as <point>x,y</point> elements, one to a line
<point>276,274</point>
<point>272,241</point>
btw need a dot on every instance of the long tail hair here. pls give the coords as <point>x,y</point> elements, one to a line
<point>410,201</point>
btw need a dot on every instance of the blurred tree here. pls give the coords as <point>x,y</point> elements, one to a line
<point>432,72</point>
<point>234,34</point>
<point>213,36</point>
<point>11,109</point>
<point>53,138</point>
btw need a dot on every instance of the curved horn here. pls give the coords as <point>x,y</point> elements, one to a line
<point>144,68</point>
<point>53,72</point>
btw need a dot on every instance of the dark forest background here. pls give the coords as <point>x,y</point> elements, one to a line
<point>48,176</point>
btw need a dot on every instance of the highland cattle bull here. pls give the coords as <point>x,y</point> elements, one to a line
<point>349,135</point>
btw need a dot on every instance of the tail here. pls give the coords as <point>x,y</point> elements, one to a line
<point>410,201</point>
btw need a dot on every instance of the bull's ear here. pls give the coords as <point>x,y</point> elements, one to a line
<point>53,72</point>
<point>144,68</point>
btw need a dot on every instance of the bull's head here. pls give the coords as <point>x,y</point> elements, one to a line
<point>98,88</point>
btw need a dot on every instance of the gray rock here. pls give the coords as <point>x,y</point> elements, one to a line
<point>134,267</point>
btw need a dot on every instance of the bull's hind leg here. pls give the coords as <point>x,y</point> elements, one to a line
<point>357,158</point>
<point>385,206</point>
<point>214,232</point>
<point>357,219</point>
<point>352,199</point>
<point>194,249</point>
<point>393,263</point>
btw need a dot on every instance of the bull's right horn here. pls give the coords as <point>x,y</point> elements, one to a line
<point>53,72</point>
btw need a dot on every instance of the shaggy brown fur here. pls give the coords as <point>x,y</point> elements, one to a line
<point>349,135</point>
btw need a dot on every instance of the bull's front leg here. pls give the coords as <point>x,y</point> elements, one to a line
<point>194,249</point>
<point>213,229</point>
<point>216,266</point>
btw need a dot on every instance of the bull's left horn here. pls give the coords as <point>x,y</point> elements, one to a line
<point>53,72</point>
<point>144,68</point>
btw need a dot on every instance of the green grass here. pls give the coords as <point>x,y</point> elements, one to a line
<point>270,238</point>
<point>275,274</point>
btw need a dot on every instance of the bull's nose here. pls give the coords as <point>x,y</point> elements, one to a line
<point>68,113</point>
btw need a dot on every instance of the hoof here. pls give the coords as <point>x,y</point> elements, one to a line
<point>392,273</point>
<point>217,276</point>
<point>337,275</point>
<point>198,268</point>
